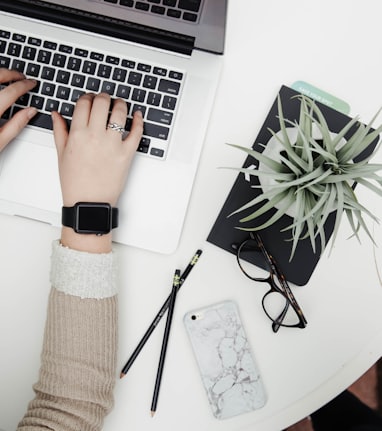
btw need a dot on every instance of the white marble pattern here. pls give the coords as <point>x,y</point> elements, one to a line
<point>228,371</point>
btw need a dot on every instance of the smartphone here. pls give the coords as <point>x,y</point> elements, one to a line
<point>227,368</point>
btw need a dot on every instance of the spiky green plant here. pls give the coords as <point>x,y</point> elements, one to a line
<point>316,176</point>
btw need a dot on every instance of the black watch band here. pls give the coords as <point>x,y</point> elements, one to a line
<point>90,217</point>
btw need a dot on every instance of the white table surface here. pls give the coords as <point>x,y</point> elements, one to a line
<point>332,45</point>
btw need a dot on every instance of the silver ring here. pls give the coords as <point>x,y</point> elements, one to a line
<point>116,127</point>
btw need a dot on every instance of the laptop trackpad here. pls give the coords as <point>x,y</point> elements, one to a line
<point>29,176</point>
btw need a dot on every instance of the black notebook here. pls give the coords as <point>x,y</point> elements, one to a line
<point>225,233</point>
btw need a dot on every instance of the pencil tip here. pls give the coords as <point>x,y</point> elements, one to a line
<point>122,375</point>
<point>152,414</point>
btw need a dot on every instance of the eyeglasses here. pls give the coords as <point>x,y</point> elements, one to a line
<point>279,303</point>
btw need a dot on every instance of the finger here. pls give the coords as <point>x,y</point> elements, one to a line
<point>118,115</point>
<point>82,110</point>
<point>99,112</point>
<point>60,132</point>
<point>7,75</point>
<point>13,91</point>
<point>14,126</point>
<point>136,131</point>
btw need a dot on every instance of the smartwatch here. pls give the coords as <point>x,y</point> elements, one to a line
<point>90,217</point>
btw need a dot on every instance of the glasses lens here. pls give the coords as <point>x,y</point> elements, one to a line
<point>278,309</point>
<point>249,252</point>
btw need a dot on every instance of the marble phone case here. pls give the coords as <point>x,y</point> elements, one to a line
<point>229,374</point>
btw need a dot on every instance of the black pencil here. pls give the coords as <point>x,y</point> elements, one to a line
<point>158,317</point>
<point>166,336</point>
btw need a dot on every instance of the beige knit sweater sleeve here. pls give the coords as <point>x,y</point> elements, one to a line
<point>78,362</point>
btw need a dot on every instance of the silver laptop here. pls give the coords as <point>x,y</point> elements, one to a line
<point>162,56</point>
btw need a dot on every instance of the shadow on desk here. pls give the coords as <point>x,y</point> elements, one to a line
<point>368,388</point>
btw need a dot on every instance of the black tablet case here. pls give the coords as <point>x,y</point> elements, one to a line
<point>225,231</point>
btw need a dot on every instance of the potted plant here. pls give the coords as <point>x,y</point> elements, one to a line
<point>309,172</point>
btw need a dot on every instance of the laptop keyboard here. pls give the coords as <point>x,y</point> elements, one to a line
<point>186,10</point>
<point>66,72</point>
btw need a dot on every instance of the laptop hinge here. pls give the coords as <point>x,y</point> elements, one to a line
<point>100,24</point>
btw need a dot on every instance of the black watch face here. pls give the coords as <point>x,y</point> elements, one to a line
<point>93,218</point>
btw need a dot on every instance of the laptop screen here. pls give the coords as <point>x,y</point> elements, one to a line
<point>175,25</point>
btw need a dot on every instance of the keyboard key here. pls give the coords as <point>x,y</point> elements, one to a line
<point>157,152</point>
<point>174,13</point>
<point>128,63</point>
<point>51,105</point>
<point>138,95</point>
<point>74,64</point>
<point>5,34</point>
<point>63,77</point>
<point>44,56</point>
<point>150,82</point>
<point>142,6</point>
<point>175,75</point>
<point>159,116</point>
<point>37,102</point>
<point>159,10</point>
<point>190,5</point>
<point>59,60</point>
<point>29,53</point>
<point>4,62</point>
<point>108,87</point>
<point>144,67</point>
<point>170,3</point>
<point>63,92</point>
<point>66,49</point>
<point>153,98</point>
<point>19,38</point>
<point>123,91</point>
<point>67,109</point>
<point>138,107</point>
<point>47,89</point>
<point>89,67</point>
<point>93,84</point>
<point>167,86</point>
<point>155,131</point>
<point>48,73</point>
<point>14,49</point>
<point>34,41</point>
<point>169,102</point>
<point>104,71</point>
<point>78,80</point>
<point>3,45</point>
<point>42,120</point>
<point>76,95</point>
<point>18,65</point>
<point>112,60</point>
<point>135,78</point>
<point>50,45</point>
<point>81,52</point>
<point>97,56</point>
<point>33,70</point>
<point>23,100</point>
<point>128,3</point>
<point>119,74</point>
<point>187,16</point>
<point>160,71</point>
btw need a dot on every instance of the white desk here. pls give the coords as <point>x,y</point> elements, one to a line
<point>333,45</point>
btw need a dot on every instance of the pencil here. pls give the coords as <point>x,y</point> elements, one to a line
<point>158,317</point>
<point>166,336</point>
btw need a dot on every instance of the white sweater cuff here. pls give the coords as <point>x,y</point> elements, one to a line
<point>87,275</point>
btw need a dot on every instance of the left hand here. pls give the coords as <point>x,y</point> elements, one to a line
<point>8,95</point>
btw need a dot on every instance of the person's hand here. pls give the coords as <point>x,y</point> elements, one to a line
<point>8,95</point>
<point>93,160</point>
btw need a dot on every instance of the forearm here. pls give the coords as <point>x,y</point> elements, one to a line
<point>77,375</point>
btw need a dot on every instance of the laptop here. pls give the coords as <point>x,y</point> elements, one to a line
<point>163,57</point>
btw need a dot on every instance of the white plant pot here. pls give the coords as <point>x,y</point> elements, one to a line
<point>273,149</point>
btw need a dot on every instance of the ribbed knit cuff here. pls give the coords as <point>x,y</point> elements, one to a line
<point>87,275</point>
